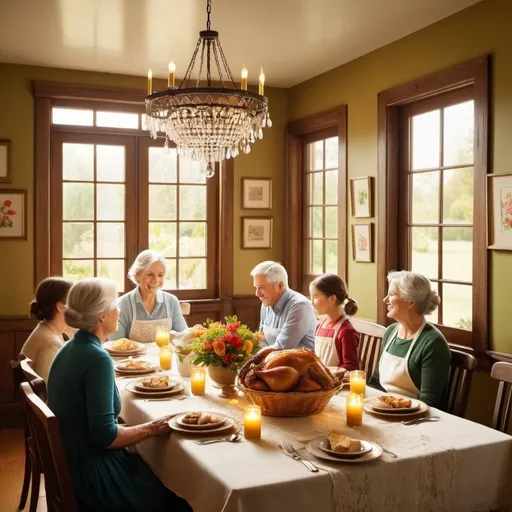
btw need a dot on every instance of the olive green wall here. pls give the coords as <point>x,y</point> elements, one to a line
<point>17,125</point>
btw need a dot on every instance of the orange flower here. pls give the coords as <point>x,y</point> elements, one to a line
<point>248,346</point>
<point>219,347</point>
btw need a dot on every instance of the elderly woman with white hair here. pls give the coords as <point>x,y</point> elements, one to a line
<point>83,395</point>
<point>415,357</point>
<point>147,307</point>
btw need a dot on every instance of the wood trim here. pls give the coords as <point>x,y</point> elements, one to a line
<point>474,72</point>
<point>317,122</point>
<point>225,264</point>
<point>499,356</point>
<point>8,177</point>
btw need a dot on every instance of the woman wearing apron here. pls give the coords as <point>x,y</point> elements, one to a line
<point>336,340</point>
<point>147,307</point>
<point>415,356</point>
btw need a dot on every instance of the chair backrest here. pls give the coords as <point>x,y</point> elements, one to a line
<point>36,382</point>
<point>370,339</point>
<point>503,372</point>
<point>459,383</point>
<point>45,429</point>
<point>18,377</point>
<point>185,308</point>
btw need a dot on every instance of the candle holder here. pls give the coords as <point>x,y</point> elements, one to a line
<point>354,409</point>
<point>198,380</point>
<point>358,382</point>
<point>252,422</point>
<point>165,357</point>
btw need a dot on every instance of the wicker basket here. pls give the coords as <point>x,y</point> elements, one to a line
<point>290,403</point>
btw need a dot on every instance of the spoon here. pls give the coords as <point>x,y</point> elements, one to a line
<point>233,438</point>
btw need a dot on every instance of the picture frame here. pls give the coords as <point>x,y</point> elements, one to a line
<point>362,242</point>
<point>257,232</point>
<point>5,161</point>
<point>361,197</point>
<point>499,212</point>
<point>257,193</point>
<point>13,214</point>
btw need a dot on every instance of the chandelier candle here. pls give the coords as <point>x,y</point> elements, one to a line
<point>244,76</point>
<point>150,82</point>
<point>198,380</point>
<point>172,70</point>
<point>261,86</point>
<point>252,422</point>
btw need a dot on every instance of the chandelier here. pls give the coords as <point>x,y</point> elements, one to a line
<point>206,121</point>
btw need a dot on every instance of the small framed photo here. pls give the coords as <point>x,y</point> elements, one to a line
<point>362,243</point>
<point>13,215</point>
<point>256,193</point>
<point>361,197</point>
<point>499,204</point>
<point>5,161</point>
<point>257,232</point>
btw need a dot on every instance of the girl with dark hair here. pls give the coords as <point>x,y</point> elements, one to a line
<point>46,339</point>
<point>336,340</point>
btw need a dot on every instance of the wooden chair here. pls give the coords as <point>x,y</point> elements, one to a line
<point>36,382</point>
<point>370,339</point>
<point>185,308</point>
<point>503,372</point>
<point>46,432</point>
<point>459,382</point>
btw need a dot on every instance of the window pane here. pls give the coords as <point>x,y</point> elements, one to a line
<point>110,236</point>
<point>73,116</point>
<point>113,269</point>
<point>317,257</point>
<point>425,197</point>
<point>75,270</point>
<point>78,162</point>
<point>331,187</point>
<point>162,165</point>
<point>425,140</point>
<point>117,119</point>
<point>78,240</point>
<point>316,187</point>
<point>457,306</point>
<point>191,172</point>
<point>110,163</point>
<point>315,222</point>
<point>170,278</point>
<point>331,153</point>
<point>110,202</point>
<point>192,274</point>
<point>458,195</point>
<point>192,239</point>
<point>424,251</point>
<point>458,254</point>
<point>192,202</point>
<point>331,222</point>
<point>162,202</point>
<point>318,155</point>
<point>331,256</point>
<point>162,238</point>
<point>459,123</point>
<point>78,201</point>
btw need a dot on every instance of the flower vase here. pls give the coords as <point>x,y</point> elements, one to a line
<point>224,378</point>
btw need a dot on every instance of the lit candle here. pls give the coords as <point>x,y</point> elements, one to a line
<point>162,336</point>
<point>197,380</point>
<point>252,422</point>
<point>244,75</point>
<point>358,382</point>
<point>355,410</point>
<point>172,70</point>
<point>150,82</point>
<point>261,87</point>
<point>166,358</point>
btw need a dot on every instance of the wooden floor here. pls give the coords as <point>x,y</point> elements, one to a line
<point>12,467</point>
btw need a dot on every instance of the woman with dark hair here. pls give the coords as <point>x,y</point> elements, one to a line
<point>336,340</point>
<point>46,339</point>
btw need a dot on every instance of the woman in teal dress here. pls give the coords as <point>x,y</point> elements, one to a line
<point>83,396</point>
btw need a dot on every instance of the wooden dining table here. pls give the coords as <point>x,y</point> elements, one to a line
<point>450,465</point>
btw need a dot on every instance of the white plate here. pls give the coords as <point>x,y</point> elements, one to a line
<point>228,424</point>
<point>111,350</point>
<point>149,368</point>
<point>379,406</point>
<point>400,414</point>
<point>208,426</point>
<point>314,449</point>
<point>325,446</point>
<point>178,388</point>
<point>140,387</point>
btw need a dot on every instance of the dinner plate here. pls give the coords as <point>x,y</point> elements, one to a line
<point>178,388</point>
<point>140,387</point>
<point>400,414</point>
<point>325,446</point>
<point>379,406</point>
<point>208,426</point>
<point>148,368</point>
<point>111,350</point>
<point>313,447</point>
<point>229,423</point>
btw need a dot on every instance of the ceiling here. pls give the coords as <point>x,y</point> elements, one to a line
<point>292,39</point>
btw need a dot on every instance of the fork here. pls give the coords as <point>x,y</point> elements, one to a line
<point>417,421</point>
<point>290,451</point>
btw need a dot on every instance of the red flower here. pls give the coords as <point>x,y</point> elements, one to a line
<point>207,345</point>
<point>228,358</point>
<point>228,337</point>
<point>236,342</point>
<point>11,212</point>
<point>5,217</point>
<point>7,203</point>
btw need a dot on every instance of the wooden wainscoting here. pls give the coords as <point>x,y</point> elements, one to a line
<point>247,308</point>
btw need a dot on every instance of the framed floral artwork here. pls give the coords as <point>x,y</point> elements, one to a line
<point>13,215</point>
<point>361,197</point>
<point>257,232</point>
<point>5,161</point>
<point>256,193</point>
<point>362,243</point>
<point>499,203</point>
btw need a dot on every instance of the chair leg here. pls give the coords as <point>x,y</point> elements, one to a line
<point>26,480</point>
<point>36,481</point>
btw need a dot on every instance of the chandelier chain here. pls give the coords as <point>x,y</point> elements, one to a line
<point>208,60</point>
<point>208,12</point>
<point>201,61</point>
<point>227,68</point>
<point>216,56</point>
<point>188,74</point>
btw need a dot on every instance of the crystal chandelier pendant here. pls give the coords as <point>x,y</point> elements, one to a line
<point>208,121</point>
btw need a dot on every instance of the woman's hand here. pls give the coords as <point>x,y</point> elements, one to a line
<point>161,425</point>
